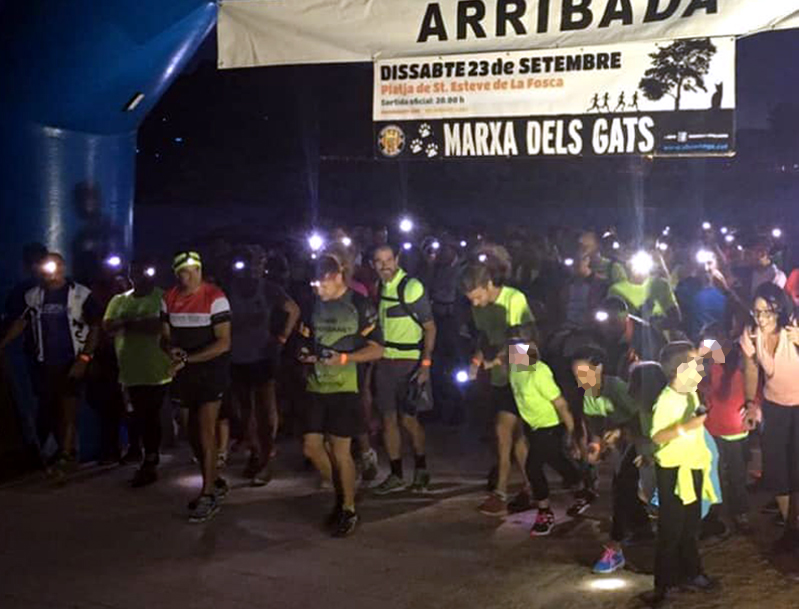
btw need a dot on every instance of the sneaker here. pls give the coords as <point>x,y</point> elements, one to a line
<point>700,583</point>
<point>582,501</point>
<point>369,465</point>
<point>253,466</point>
<point>494,505</point>
<point>261,478</point>
<point>522,502</point>
<point>421,481</point>
<point>544,523</point>
<point>392,484</point>
<point>206,507</point>
<point>346,524</point>
<point>610,561</point>
<point>144,476</point>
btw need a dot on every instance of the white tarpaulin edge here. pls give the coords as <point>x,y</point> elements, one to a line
<point>277,32</point>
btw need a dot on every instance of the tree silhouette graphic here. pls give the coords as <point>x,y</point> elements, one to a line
<point>677,68</point>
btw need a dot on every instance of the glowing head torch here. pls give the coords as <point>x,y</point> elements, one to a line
<point>642,263</point>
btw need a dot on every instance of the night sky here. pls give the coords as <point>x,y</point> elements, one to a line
<point>296,143</point>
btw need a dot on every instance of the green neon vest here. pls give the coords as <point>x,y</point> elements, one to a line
<point>403,335</point>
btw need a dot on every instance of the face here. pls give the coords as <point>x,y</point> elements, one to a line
<point>329,286</point>
<point>589,243</point>
<point>479,297</point>
<point>765,316</point>
<point>518,355</point>
<point>386,264</point>
<point>190,276</point>
<point>583,266</point>
<point>689,374</point>
<point>52,271</point>
<point>714,350</point>
<point>142,275</point>
<point>587,374</point>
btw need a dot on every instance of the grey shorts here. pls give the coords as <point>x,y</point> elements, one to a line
<point>391,384</point>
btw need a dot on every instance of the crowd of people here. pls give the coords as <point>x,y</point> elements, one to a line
<point>669,359</point>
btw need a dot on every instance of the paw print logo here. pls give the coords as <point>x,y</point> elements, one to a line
<point>425,130</point>
<point>431,150</point>
<point>417,146</point>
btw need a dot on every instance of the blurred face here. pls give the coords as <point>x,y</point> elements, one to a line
<point>386,264</point>
<point>689,374</point>
<point>715,350</point>
<point>588,375</point>
<point>52,271</point>
<point>583,266</point>
<point>518,355</point>
<point>330,286</point>
<point>190,277</point>
<point>142,275</point>
<point>765,316</point>
<point>479,297</point>
<point>589,243</point>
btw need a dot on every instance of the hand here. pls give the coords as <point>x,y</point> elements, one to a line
<point>719,279</point>
<point>333,360</point>
<point>492,364</point>
<point>611,437</point>
<point>473,370</point>
<point>793,334</point>
<point>594,453</point>
<point>178,355</point>
<point>307,359</point>
<point>78,370</point>
<point>423,375</point>
<point>175,367</point>
<point>695,423</point>
<point>751,416</point>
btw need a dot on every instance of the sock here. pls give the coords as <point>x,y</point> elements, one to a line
<point>396,467</point>
<point>421,462</point>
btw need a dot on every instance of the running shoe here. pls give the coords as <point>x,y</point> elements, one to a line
<point>544,523</point>
<point>369,465</point>
<point>206,508</point>
<point>347,522</point>
<point>611,560</point>
<point>582,501</point>
<point>253,466</point>
<point>700,583</point>
<point>221,489</point>
<point>522,502</point>
<point>421,481</point>
<point>261,478</point>
<point>392,484</point>
<point>494,505</point>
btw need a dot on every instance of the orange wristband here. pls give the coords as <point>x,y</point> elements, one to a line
<point>426,363</point>
<point>344,359</point>
<point>85,357</point>
<point>476,361</point>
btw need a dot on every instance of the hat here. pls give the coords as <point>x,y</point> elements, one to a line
<point>184,260</point>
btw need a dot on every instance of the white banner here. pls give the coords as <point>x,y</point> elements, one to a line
<point>271,32</point>
<point>670,98</point>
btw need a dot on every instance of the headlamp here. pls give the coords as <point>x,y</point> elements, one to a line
<point>406,225</point>
<point>315,242</point>
<point>150,271</point>
<point>642,263</point>
<point>601,316</point>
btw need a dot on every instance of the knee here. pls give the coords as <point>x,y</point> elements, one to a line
<point>312,449</point>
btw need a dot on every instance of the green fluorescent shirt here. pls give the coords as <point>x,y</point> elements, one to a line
<point>534,390</point>
<point>140,357</point>
<point>493,321</point>
<point>654,290</point>
<point>343,325</point>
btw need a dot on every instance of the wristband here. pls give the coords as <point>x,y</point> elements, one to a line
<point>426,363</point>
<point>344,358</point>
<point>85,358</point>
<point>476,362</point>
<point>681,431</point>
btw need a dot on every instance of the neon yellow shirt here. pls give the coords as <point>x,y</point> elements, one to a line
<point>510,309</point>
<point>654,290</point>
<point>534,390</point>
<point>686,452</point>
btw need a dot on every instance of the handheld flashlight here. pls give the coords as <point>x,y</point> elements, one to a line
<point>150,271</point>
<point>601,316</point>
<point>642,263</point>
<point>729,238</point>
<point>706,226</point>
<point>724,230</point>
<point>316,242</point>
<point>239,265</point>
<point>346,241</point>
<point>113,261</point>
<point>463,244</point>
<point>776,233</point>
<point>569,262</point>
<point>407,246</point>
<point>666,231</point>
<point>462,377</point>
<point>616,245</point>
<point>482,257</point>
<point>406,225</point>
<point>663,247</point>
<point>435,245</point>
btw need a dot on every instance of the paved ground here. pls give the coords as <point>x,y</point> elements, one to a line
<point>96,544</point>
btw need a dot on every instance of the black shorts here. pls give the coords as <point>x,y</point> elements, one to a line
<point>391,383</point>
<point>253,374</point>
<point>503,400</point>
<point>337,414</point>
<point>53,382</point>
<point>198,384</point>
<point>780,446</point>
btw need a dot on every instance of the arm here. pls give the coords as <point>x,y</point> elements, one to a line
<point>751,377</point>
<point>564,413</point>
<point>15,330</point>
<point>672,432</point>
<point>292,310</point>
<point>220,345</point>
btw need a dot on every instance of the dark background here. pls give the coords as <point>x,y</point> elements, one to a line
<point>271,147</point>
